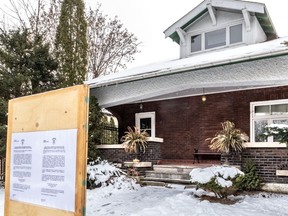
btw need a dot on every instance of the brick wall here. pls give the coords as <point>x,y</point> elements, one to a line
<point>267,161</point>
<point>118,155</point>
<point>185,123</point>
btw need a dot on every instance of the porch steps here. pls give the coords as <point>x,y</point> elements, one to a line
<point>182,169</point>
<point>162,181</point>
<point>176,174</point>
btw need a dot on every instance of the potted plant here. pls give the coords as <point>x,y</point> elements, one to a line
<point>135,141</point>
<point>228,139</point>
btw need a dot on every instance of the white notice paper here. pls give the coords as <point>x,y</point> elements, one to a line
<point>43,168</point>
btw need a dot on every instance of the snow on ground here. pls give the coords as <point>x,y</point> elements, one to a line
<point>123,197</point>
<point>1,202</point>
<point>176,201</point>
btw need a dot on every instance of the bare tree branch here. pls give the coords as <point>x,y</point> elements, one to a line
<point>110,46</point>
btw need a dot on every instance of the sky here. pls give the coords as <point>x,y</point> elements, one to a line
<point>148,19</point>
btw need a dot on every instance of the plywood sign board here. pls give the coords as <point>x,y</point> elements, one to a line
<point>46,154</point>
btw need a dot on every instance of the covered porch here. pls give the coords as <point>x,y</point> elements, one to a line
<point>170,95</point>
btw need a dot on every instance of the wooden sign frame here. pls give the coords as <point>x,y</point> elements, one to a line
<point>62,109</point>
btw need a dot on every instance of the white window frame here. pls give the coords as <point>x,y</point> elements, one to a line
<point>211,30</point>
<point>269,118</point>
<point>151,115</point>
<point>201,43</point>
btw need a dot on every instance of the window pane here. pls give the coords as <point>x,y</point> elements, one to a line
<point>215,38</point>
<point>236,34</point>
<point>259,130</point>
<point>195,43</point>
<point>282,121</point>
<point>149,132</point>
<point>279,109</point>
<point>262,110</point>
<point>145,123</point>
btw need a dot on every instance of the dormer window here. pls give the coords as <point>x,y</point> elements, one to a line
<point>196,43</point>
<point>218,38</point>
<point>220,24</point>
<point>236,34</point>
<point>215,39</point>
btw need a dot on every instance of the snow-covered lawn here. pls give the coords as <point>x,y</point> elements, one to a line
<point>122,196</point>
<point>175,201</point>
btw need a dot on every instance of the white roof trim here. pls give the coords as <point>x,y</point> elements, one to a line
<point>227,4</point>
<point>212,13</point>
<point>209,59</point>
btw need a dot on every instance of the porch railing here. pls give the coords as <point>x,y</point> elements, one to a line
<point>110,135</point>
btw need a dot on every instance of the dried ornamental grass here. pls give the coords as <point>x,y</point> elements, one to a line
<point>134,140</point>
<point>228,139</point>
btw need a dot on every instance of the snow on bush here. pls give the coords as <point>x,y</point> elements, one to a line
<point>217,179</point>
<point>279,131</point>
<point>104,174</point>
<point>100,172</point>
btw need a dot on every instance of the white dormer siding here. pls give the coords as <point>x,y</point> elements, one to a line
<point>222,26</point>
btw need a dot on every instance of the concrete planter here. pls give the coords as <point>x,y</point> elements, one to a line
<point>137,164</point>
<point>281,172</point>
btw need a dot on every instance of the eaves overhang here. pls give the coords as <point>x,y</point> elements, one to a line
<point>253,74</point>
<point>252,7</point>
<point>208,60</point>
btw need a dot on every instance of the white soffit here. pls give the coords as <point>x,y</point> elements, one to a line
<point>231,77</point>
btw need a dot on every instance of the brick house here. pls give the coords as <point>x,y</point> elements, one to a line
<point>232,66</point>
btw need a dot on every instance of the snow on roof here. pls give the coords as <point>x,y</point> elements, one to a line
<point>194,14</point>
<point>203,60</point>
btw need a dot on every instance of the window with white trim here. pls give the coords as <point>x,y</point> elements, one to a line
<point>236,35</point>
<point>266,113</point>
<point>196,43</point>
<point>215,38</point>
<point>146,121</point>
<point>222,37</point>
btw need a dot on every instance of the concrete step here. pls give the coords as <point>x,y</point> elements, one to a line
<point>165,180</point>
<point>165,175</point>
<point>153,183</point>
<point>173,168</point>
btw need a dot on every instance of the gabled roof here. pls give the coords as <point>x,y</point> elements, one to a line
<point>259,9</point>
<point>238,68</point>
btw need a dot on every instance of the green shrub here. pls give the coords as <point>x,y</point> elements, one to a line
<point>219,191</point>
<point>250,181</point>
<point>95,128</point>
<point>217,179</point>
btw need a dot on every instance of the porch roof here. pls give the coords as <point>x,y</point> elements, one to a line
<point>253,66</point>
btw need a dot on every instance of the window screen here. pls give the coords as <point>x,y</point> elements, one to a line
<point>195,43</point>
<point>215,38</point>
<point>236,34</point>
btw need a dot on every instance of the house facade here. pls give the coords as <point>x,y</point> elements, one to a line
<point>232,66</point>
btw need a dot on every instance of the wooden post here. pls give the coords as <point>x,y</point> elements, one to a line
<point>54,112</point>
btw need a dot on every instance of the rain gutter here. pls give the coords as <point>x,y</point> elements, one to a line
<point>168,71</point>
